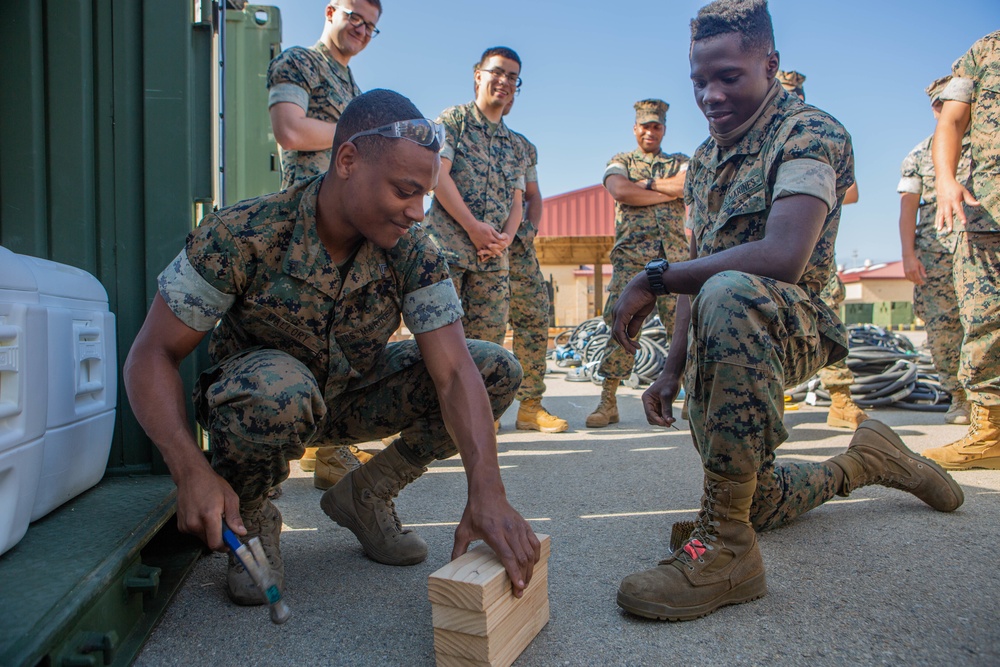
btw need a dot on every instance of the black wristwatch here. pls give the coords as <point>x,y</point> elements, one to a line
<point>654,274</point>
<point>649,184</point>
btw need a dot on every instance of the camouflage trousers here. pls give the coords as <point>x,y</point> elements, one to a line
<point>977,284</point>
<point>835,375</point>
<point>262,408</point>
<point>529,317</point>
<point>750,338</point>
<point>618,363</point>
<point>485,297</point>
<point>936,304</point>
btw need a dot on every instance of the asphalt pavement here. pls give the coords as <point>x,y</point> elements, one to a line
<point>877,578</point>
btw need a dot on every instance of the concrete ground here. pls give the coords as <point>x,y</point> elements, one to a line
<point>877,578</point>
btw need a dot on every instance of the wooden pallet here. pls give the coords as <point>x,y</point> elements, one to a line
<point>477,621</point>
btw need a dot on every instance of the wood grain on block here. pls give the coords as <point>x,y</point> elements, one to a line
<point>482,623</point>
<point>502,647</point>
<point>476,579</point>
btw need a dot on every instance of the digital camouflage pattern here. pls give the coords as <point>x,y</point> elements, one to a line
<point>976,81</point>
<point>935,302</point>
<point>642,234</point>
<point>793,82</point>
<point>752,337</point>
<point>263,407</point>
<point>487,166</point>
<point>529,295</point>
<point>836,374</point>
<point>325,87</point>
<point>285,314</point>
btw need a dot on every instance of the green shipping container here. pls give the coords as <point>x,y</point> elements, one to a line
<point>857,313</point>
<point>892,314</point>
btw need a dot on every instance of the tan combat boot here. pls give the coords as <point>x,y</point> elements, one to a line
<point>876,455</point>
<point>531,416</point>
<point>308,461</point>
<point>332,463</point>
<point>607,410</point>
<point>980,448</point>
<point>959,412</point>
<point>844,412</point>
<point>719,564</point>
<point>261,519</point>
<point>363,503</point>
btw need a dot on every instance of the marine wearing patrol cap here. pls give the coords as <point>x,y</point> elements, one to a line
<point>792,82</point>
<point>651,111</point>
<point>936,88</point>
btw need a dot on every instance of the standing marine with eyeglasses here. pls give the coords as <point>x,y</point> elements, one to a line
<point>300,291</point>
<point>477,203</point>
<point>529,303</point>
<point>308,90</point>
<point>648,188</point>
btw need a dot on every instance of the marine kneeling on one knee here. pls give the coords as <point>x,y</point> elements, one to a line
<point>300,291</point>
<point>750,322</point>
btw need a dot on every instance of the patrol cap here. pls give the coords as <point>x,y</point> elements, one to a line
<point>936,88</point>
<point>792,82</point>
<point>651,111</point>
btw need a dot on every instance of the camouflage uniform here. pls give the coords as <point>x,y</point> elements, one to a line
<point>935,302</point>
<point>751,337</point>
<point>836,374</point>
<point>642,233</point>
<point>487,167</point>
<point>312,79</point>
<point>976,81</point>
<point>529,296</point>
<point>300,349</point>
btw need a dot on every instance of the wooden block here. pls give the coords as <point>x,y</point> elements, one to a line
<point>501,648</point>
<point>482,623</point>
<point>476,579</point>
<point>476,619</point>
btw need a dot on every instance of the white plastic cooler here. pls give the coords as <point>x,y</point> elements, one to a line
<point>59,391</point>
<point>23,367</point>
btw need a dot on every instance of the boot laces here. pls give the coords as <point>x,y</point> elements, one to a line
<point>704,534</point>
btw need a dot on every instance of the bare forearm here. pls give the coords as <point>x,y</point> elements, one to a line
<point>633,194</point>
<point>909,204</point>
<point>465,408</point>
<point>947,145</point>
<point>677,354</point>
<point>515,217</point>
<point>156,394</point>
<point>672,186</point>
<point>533,200</point>
<point>305,134</point>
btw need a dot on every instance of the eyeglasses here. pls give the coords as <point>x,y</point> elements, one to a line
<point>355,20</point>
<point>419,130</point>
<point>501,75</point>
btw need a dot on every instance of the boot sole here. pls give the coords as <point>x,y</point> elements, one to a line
<point>751,589</point>
<point>992,463</point>
<point>341,518</point>
<point>842,423</point>
<point>532,426</point>
<point>898,444</point>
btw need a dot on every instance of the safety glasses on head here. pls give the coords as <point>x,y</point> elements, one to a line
<point>418,130</point>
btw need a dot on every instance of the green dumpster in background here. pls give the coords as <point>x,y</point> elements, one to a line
<point>253,39</point>
<point>892,314</point>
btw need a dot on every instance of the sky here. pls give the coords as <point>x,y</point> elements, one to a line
<point>585,63</point>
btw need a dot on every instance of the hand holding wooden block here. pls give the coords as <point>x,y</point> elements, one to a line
<point>477,621</point>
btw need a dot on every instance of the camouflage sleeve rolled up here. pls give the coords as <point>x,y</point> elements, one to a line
<point>816,158</point>
<point>429,298</point>
<point>617,165</point>
<point>287,79</point>
<point>451,120</point>
<point>201,284</point>
<point>910,181</point>
<point>531,173</point>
